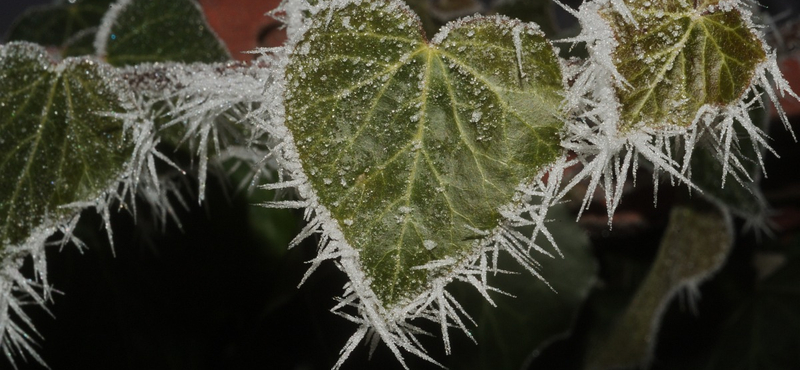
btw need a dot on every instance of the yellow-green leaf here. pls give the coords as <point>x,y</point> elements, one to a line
<point>413,145</point>
<point>679,56</point>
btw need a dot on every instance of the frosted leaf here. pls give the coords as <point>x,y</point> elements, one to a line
<point>203,108</point>
<point>65,147</point>
<point>678,57</point>
<point>137,31</point>
<point>56,146</point>
<point>370,140</point>
<point>654,86</point>
<point>741,194</point>
<point>409,187</point>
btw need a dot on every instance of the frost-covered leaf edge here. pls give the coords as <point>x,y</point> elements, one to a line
<point>378,323</point>
<point>608,154</point>
<point>13,337</point>
<point>202,90</point>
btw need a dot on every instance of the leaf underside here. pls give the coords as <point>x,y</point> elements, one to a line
<point>160,31</point>
<point>680,58</point>
<point>413,145</point>
<point>58,144</point>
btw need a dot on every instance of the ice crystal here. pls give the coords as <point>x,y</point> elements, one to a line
<point>206,102</point>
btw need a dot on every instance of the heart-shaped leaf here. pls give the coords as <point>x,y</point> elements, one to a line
<point>413,145</point>
<point>680,55</point>
<point>139,31</point>
<point>59,143</point>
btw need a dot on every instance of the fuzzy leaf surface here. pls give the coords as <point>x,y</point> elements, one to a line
<point>683,55</point>
<point>140,31</point>
<point>414,145</point>
<point>58,145</point>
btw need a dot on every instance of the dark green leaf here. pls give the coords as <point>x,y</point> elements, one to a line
<point>411,143</point>
<point>139,31</point>
<point>59,145</point>
<point>53,25</point>
<point>682,55</point>
<point>537,11</point>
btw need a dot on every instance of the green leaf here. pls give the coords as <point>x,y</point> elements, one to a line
<point>59,145</point>
<point>139,31</point>
<point>508,334</point>
<point>54,24</point>
<point>681,56</point>
<point>695,245</point>
<point>413,145</point>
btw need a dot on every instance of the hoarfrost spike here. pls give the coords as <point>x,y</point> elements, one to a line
<point>651,84</point>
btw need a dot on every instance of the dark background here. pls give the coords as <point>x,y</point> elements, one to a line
<point>10,9</point>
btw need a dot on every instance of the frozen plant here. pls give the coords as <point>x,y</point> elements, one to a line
<point>417,161</point>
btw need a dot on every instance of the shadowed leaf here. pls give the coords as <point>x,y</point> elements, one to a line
<point>763,330</point>
<point>139,31</point>
<point>508,334</point>
<point>52,25</point>
<point>82,43</point>
<point>694,247</point>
